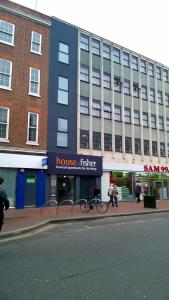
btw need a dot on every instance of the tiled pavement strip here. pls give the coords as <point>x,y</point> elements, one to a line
<point>17,221</point>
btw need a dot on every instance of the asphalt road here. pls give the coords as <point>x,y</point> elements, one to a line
<point>120,258</point>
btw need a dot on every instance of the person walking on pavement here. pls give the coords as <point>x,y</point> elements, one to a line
<point>138,192</point>
<point>110,194</point>
<point>115,193</point>
<point>4,202</point>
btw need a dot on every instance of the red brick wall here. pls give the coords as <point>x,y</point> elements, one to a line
<point>18,100</point>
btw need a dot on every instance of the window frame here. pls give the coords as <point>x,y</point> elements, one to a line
<point>11,34</point>
<point>84,109</point>
<point>95,49</point>
<point>106,54</point>
<point>5,74</point>
<point>36,82</point>
<point>117,84</point>
<point>96,139</point>
<point>136,117</point>
<point>36,128</point>
<point>128,144</point>
<point>145,119</point>
<point>134,63</point>
<point>137,146</point>
<point>127,115</point>
<point>62,90</point>
<point>146,149</point>
<point>62,132</point>
<point>107,111</point>
<point>154,148</point>
<point>84,76</point>
<point>143,66</point>
<point>84,144</point>
<point>6,138</point>
<point>118,143</point>
<point>117,113</point>
<point>116,55</point>
<point>126,87</point>
<point>107,142</point>
<point>40,43</point>
<point>96,108</point>
<point>107,80</point>
<point>144,92</point>
<point>84,46</point>
<point>126,59</point>
<point>63,53</point>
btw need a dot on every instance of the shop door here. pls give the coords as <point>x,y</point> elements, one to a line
<point>65,188</point>
<point>87,184</point>
<point>30,190</point>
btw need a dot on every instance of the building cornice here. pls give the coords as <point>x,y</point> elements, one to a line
<point>25,15</point>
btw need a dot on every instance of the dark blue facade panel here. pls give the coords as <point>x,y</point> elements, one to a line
<point>65,33</point>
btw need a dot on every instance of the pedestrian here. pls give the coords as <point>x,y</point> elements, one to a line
<point>115,193</point>
<point>96,191</point>
<point>138,192</point>
<point>4,202</point>
<point>110,193</point>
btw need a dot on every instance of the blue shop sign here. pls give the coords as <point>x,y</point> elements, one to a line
<point>72,164</point>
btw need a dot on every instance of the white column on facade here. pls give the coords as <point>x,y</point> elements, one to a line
<point>132,109</point>
<point>141,112</point>
<point>78,95</point>
<point>165,117</point>
<point>112,102</point>
<point>122,106</point>
<point>90,97</point>
<point>102,98</point>
<point>157,114</point>
<point>149,112</point>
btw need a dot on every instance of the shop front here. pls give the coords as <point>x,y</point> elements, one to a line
<point>153,179</point>
<point>72,176</point>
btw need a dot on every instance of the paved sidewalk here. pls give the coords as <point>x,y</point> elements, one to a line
<point>23,220</point>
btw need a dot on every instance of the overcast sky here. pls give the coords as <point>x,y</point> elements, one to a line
<point>141,26</point>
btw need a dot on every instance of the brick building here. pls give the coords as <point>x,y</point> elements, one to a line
<point>24,59</point>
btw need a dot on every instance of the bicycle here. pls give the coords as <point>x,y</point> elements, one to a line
<point>86,206</point>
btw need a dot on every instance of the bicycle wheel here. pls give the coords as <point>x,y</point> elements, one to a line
<point>101,207</point>
<point>84,206</point>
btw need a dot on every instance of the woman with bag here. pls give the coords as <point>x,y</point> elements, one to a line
<point>110,193</point>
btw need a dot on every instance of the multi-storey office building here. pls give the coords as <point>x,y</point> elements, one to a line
<point>112,103</point>
<point>24,44</point>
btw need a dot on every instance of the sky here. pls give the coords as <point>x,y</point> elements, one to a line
<point>141,26</point>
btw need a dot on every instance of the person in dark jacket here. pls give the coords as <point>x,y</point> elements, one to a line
<point>138,192</point>
<point>4,202</point>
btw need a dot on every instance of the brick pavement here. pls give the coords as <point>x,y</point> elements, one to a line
<point>23,218</point>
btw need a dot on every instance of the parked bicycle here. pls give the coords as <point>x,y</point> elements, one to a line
<point>86,206</point>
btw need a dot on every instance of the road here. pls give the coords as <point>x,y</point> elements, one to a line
<point>120,258</point>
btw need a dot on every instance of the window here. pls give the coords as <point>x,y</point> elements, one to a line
<point>63,53</point>
<point>117,84</point>
<point>134,63</point>
<point>135,90</point>
<point>63,84</point>
<point>151,69</point>
<point>143,66</point>
<point>95,47</point>
<point>107,142</point>
<point>96,111</point>
<point>107,110</point>
<point>7,32</point>
<point>5,74</point>
<point>84,139</point>
<point>166,99</point>
<point>145,119</point>
<point>106,51</point>
<point>34,82</point>
<point>158,72</point>
<point>128,145</point>
<point>162,149</point>
<point>161,123</point>
<point>160,97</point>
<point>84,42</point>
<point>167,124</point>
<point>152,95</point>
<point>84,105</point>
<point>62,132</point>
<point>36,42</point>
<point>84,73</point>
<point>96,140</point>
<point>153,121</point>
<point>126,87</point>
<point>118,143</point>
<point>96,77</point>
<point>137,146</point>
<point>106,80</point>
<point>154,148</point>
<point>144,92</point>
<point>165,75</point>
<point>116,55</point>
<point>117,113</point>
<point>4,123</point>
<point>136,117</point>
<point>127,115</point>
<point>32,135</point>
<point>126,62</point>
<point>146,147</point>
